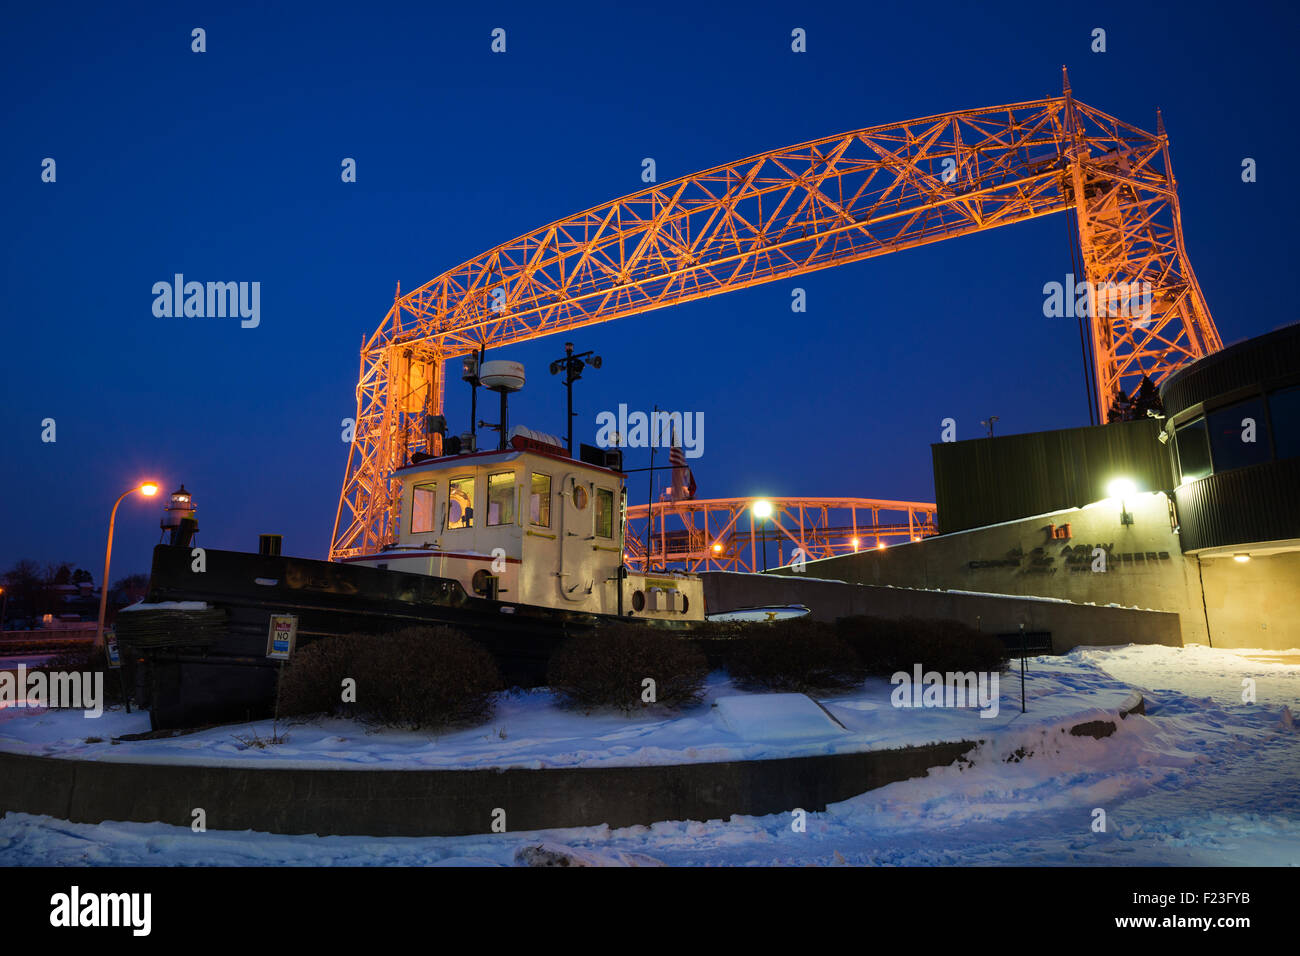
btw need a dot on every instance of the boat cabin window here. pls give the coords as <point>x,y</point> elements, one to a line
<point>604,513</point>
<point>460,503</point>
<point>501,498</point>
<point>539,504</point>
<point>422,498</point>
<point>579,497</point>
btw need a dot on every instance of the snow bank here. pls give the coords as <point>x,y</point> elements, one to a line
<point>531,730</point>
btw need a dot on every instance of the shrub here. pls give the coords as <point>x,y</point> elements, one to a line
<point>886,646</point>
<point>312,681</point>
<point>92,660</point>
<point>606,668</point>
<point>416,677</point>
<point>793,655</point>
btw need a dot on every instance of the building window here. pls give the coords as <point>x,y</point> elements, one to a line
<point>1284,410</point>
<point>460,503</point>
<point>422,498</point>
<point>1193,451</point>
<point>539,504</point>
<point>1239,435</point>
<point>501,498</point>
<point>604,513</point>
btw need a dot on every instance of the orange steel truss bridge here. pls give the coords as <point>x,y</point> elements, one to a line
<point>722,535</point>
<point>781,214</point>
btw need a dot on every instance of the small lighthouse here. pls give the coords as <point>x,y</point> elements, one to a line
<point>178,517</point>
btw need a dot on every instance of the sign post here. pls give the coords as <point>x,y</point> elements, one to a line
<point>281,637</point>
<point>115,662</point>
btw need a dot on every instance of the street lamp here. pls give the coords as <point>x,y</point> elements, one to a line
<point>762,510</point>
<point>148,489</point>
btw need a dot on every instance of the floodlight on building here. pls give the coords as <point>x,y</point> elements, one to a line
<point>1121,488</point>
<point>1241,558</point>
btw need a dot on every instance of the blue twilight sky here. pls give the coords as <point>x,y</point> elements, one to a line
<point>225,166</point>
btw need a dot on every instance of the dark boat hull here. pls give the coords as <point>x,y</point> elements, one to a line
<point>227,677</point>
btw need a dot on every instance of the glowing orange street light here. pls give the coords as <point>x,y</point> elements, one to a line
<point>880,546</point>
<point>148,489</point>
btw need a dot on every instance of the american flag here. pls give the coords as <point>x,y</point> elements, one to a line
<point>683,486</point>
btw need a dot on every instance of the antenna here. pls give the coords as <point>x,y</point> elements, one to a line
<point>572,365</point>
<point>503,378</point>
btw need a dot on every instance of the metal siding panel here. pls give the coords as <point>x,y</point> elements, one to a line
<point>1265,359</point>
<point>1259,503</point>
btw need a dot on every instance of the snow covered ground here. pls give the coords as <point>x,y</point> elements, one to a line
<point>530,730</point>
<point>1203,779</point>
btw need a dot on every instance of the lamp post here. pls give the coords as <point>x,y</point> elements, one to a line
<point>762,510</point>
<point>148,489</point>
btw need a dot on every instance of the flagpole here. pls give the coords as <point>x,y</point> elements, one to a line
<point>650,524</point>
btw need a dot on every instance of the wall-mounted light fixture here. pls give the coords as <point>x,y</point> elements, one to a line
<point>1122,488</point>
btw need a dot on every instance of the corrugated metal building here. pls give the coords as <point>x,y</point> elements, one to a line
<point>987,481</point>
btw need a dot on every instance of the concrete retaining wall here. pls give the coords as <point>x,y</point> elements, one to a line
<point>448,802</point>
<point>1144,564</point>
<point>1070,624</point>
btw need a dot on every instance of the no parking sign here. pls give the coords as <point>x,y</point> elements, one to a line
<point>281,636</point>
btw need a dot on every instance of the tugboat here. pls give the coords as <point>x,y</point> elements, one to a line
<point>519,547</point>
